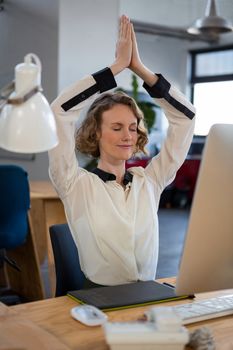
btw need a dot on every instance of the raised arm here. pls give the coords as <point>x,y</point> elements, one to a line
<point>180,114</point>
<point>63,165</point>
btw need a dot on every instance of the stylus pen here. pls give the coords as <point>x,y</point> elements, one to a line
<point>192,296</point>
<point>169,285</point>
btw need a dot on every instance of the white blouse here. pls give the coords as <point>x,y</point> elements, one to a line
<point>116,229</point>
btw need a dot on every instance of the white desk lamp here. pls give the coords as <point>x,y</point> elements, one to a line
<point>27,123</point>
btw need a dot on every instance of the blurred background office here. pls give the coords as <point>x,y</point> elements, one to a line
<point>74,37</point>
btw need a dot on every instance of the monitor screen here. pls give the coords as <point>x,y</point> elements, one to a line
<point>207,260</point>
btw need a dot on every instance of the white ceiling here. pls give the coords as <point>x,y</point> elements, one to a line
<point>168,12</point>
<point>180,13</point>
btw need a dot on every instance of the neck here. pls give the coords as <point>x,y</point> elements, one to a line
<point>117,169</point>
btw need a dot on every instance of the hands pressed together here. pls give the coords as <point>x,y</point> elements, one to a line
<point>126,47</point>
<point>127,55</point>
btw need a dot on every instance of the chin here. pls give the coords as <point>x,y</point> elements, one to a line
<point>126,157</point>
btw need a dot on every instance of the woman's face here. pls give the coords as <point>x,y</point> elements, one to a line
<point>118,135</point>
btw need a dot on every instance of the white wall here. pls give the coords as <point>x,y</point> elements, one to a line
<point>87,34</point>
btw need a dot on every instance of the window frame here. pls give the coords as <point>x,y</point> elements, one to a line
<point>208,78</point>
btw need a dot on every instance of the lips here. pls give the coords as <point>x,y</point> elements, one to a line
<point>125,146</point>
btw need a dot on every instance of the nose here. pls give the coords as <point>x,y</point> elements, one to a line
<point>126,135</point>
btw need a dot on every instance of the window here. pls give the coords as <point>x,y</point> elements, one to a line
<point>212,87</point>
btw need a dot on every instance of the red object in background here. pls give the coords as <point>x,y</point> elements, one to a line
<point>137,162</point>
<point>186,176</point>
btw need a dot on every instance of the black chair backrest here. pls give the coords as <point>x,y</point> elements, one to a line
<point>68,271</point>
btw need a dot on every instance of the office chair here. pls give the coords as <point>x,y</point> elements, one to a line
<point>14,227</point>
<point>68,271</point>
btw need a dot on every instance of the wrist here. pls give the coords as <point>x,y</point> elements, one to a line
<point>145,74</point>
<point>116,67</point>
<point>138,68</point>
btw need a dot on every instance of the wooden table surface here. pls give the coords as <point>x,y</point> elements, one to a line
<point>42,189</point>
<point>53,315</point>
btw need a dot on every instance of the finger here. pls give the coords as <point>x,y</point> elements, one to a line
<point>124,27</point>
<point>121,21</point>
<point>133,32</point>
<point>128,31</point>
<point>133,36</point>
<point>126,24</point>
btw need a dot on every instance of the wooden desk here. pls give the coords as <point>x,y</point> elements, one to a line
<point>46,210</point>
<point>53,315</point>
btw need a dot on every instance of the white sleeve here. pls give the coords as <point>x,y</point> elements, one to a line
<point>180,114</point>
<point>67,107</point>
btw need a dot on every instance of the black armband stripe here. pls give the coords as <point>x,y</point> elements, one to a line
<point>104,81</point>
<point>179,106</point>
<point>80,97</point>
<point>161,90</point>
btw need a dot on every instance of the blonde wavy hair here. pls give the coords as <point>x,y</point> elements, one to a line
<point>86,136</point>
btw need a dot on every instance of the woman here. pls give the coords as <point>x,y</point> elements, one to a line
<point>112,213</point>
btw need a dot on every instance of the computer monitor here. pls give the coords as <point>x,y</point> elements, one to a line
<point>207,260</point>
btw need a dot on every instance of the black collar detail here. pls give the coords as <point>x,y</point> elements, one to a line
<point>105,176</point>
<point>128,177</point>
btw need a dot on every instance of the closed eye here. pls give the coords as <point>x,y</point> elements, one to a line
<point>118,127</point>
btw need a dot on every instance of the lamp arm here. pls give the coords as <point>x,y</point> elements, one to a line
<point>5,93</point>
<point>2,103</point>
<point>24,96</point>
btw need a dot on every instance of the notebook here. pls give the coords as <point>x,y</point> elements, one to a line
<point>125,295</point>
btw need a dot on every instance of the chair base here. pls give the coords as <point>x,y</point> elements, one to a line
<point>9,297</point>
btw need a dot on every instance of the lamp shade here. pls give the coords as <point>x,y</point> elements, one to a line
<point>216,25</point>
<point>27,123</point>
<point>211,23</point>
<point>29,127</point>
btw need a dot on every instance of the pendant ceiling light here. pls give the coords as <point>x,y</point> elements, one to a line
<point>211,23</point>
